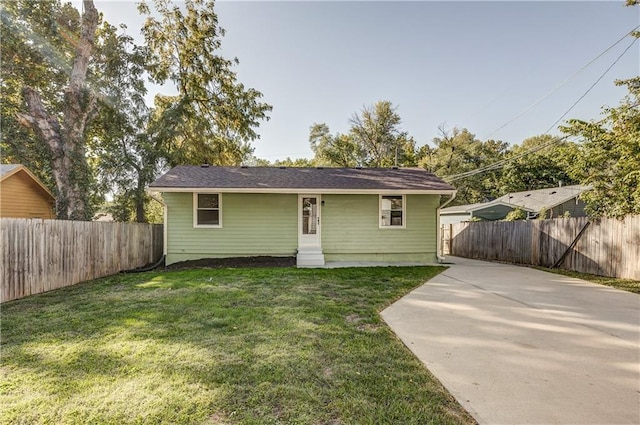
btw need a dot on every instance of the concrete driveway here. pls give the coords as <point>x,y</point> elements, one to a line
<point>516,345</point>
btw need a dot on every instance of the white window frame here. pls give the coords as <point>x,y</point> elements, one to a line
<point>404,212</point>
<point>195,211</point>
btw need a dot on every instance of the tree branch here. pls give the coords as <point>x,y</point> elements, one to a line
<point>46,127</point>
<point>85,44</point>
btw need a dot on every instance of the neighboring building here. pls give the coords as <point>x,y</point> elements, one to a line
<point>103,216</point>
<point>556,200</point>
<point>316,214</point>
<point>23,195</point>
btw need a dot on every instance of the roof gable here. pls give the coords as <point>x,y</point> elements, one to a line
<point>275,179</point>
<point>8,170</point>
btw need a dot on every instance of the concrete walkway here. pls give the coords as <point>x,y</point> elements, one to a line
<point>516,345</point>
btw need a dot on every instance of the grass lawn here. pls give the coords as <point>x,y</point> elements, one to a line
<point>628,285</point>
<point>218,346</point>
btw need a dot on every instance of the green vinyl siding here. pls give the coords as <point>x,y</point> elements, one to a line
<point>267,224</point>
<point>252,225</point>
<point>351,229</point>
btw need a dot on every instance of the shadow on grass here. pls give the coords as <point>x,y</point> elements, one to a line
<point>253,346</point>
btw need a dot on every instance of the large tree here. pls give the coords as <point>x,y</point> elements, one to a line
<point>337,150</point>
<point>458,151</point>
<point>213,117</point>
<point>548,164</point>
<point>609,156</point>
<point>376,131</point>
<point>46,54</point>
<point>61,130</point>
<point>374,140</point>
<point>123,150</point>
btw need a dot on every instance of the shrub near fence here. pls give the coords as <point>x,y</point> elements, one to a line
<point>41,255</point>
<point>607,247</point>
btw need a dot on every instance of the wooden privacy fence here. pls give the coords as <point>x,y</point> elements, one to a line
<point>41,255</point>
<point>607,247</point>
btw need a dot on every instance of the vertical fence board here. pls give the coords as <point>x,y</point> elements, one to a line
<point>41,255</point>
<point>608,247</point>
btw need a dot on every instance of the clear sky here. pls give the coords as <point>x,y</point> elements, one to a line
<point>473,65</point>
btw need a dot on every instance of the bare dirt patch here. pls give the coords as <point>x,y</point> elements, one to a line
<point>233,262</point>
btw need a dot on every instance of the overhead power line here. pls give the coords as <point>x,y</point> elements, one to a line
<point>592,86</point>
<point>553,90</point>
<point>499,164</point>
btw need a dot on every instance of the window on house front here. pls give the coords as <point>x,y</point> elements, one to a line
<point>207,210</point>
<point>392,211</point>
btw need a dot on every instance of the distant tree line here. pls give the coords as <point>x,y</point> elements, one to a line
<point>604,154</point>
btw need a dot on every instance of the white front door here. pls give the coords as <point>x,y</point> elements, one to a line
<point>309,223</point>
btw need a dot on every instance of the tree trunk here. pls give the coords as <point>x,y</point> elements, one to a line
<point>139,201</point>
<point>66,141</point>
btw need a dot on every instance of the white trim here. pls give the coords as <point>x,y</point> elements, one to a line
<point>404,211</point>
<point>328,191</point>
<point>195,211</point>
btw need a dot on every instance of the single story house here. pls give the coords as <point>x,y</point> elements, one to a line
<point>23,195</point>
<point>316,214</point>
<point>556,200</point>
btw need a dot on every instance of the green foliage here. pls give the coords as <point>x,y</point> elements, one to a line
<point>609,157</point>
<point>543,213</point>
<point>339,150</point>
<point>516,214</point>
<point>44,111</point>
<point>375,130</point>
<point>374,140</point>
<point>37,51</point>
<point>458,151</point>
<point>212,118</point>
<point>125,208</point>
<point>298,162</point>
<point>547,166</point>
<point>126,155</point>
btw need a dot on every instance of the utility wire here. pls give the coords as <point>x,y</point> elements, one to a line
<point>553,90</point>
<point>499,164</point>
<point>592,86</point>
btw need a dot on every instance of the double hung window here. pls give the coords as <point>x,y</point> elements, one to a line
<point>207,211</point>
<point>392,209</point>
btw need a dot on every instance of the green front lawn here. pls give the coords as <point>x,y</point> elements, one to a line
<point>249,346</point>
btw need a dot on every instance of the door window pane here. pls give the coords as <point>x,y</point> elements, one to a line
<point>309,216</point>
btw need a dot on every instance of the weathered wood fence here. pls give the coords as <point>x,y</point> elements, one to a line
<point>607,247</point>
<point>41,255</point>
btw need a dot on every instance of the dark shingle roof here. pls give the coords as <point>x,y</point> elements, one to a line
<point>275,178</point>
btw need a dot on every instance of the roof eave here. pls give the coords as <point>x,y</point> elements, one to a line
<point>327,191</point>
